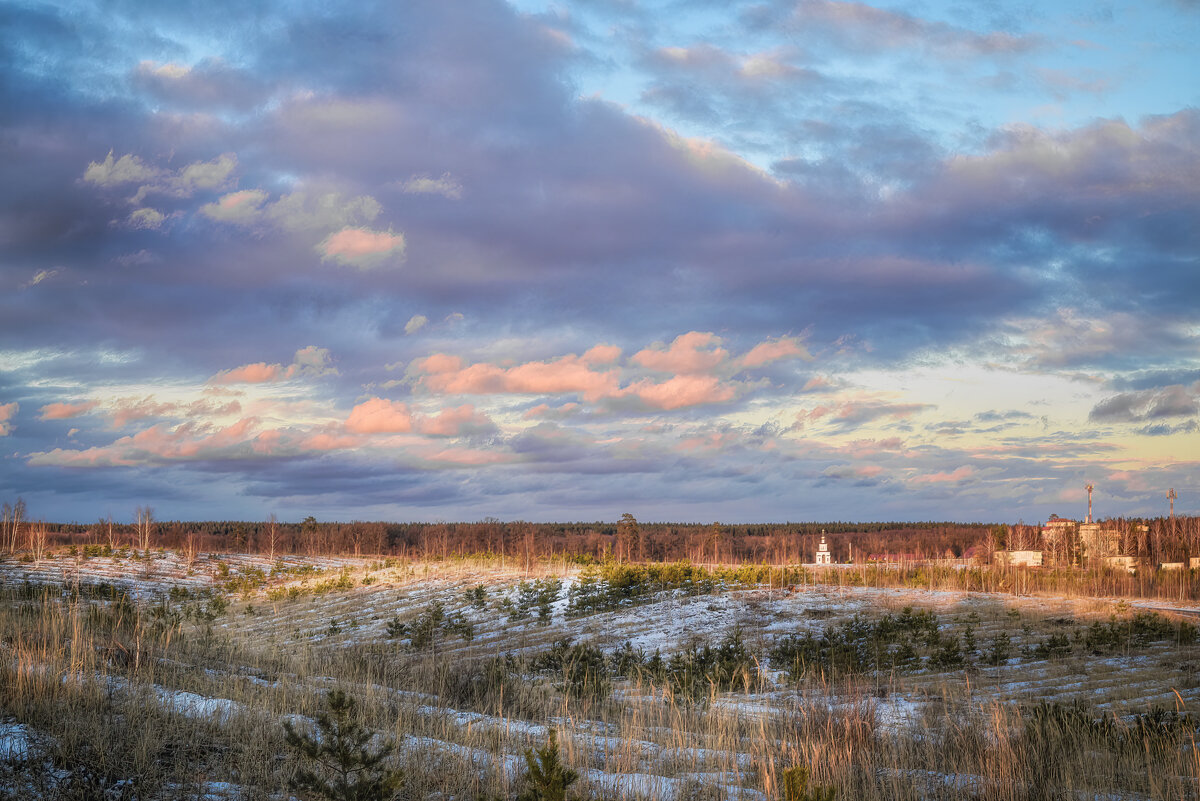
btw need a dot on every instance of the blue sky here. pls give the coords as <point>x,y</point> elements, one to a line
<point>694,261</point>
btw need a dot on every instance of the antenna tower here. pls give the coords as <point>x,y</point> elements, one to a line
<point>1089,487</point>
<point>1171,496</point>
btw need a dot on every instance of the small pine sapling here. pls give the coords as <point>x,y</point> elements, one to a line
<point>340,762</point>
<point>795,787</point>
<point>546,776</point>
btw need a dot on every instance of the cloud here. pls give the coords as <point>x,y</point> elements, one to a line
<point>181,183</point>
<point>297,211</point>
<point>1171,401</point>
<point>362,247</point>
<point>1164,430</point>
<point>184,443</point>
<point>128,169</point>
<point>257,373</point>
<point>1068,338</point>
<point>146,218</point>
<point>308,362</point>
<point>859,411</point>
<point>693,352</point>
<point>311,360</point>
<point>569,374</point>
<point>558,213</point>
<point>544,411</point>
<point>7,412</point>
<point>688,355</point>
<point>243,207</point>
<point>39,277</point>
<point>682,390</point>
<point>65,411</point>
<point>601,354</point>
<point>129,409</point>
<point>212,84</point>
<point>461,421</point>
<point>380,416</point>
<point>445,186</point>
<point>959,475</point>
<point>867,28</point>
<point>415,323</point>
<point>774,350</point>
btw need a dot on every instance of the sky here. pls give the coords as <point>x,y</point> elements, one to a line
<point>695,261</point>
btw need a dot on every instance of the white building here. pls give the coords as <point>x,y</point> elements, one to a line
<point>824,557</point>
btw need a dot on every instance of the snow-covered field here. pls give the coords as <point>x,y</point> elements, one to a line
<point>298,626</point>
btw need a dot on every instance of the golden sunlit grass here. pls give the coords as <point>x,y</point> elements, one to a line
<point>162,697</point>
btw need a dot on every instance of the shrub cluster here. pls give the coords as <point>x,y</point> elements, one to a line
<point>538,594</point>
<point>586,671</point>
<point>430,627</point>
<point>862,646</point>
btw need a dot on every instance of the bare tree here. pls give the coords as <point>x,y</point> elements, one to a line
<point>272,537</point>
<point>144,522</point>
<point>112,536</point>
<point>191,547</point>
<point>12,515</point>
<point>39,536</point>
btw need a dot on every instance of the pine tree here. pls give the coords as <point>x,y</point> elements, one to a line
<point>795,787</point>
<point>548,778</point>
<point>341,764</point>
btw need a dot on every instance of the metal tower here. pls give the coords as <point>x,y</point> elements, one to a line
<point>1089,487</point>
<point>1171,496</point>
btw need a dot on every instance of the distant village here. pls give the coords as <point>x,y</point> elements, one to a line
<point>1117,544</point>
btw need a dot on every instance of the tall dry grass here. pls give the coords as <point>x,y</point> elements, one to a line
<point>101,681</point>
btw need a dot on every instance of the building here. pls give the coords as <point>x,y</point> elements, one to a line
<point>1017,558</point>
<point>1128,563</point>
<point>824,557</point>
<point>1060,540</point>
<point>1098,543</point>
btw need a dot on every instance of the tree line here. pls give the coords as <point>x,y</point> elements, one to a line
<point>1165,539</point>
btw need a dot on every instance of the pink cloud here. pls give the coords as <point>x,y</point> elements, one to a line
<point>568,374</point>
<point>545,410</point>
<point>158,444</point>
<point>467,457</point>
<point>693,352</point>
<point>257,373</point>
<point>237,207</point>
<point>961,474</point>
<point>65,411</point>
<point>361,247</point>
<point>7,412</point>
<point>712,442</point>
<point>565,375</point>
<point>125,410</point>
<point>536,411</point>
<point>817,383</point>
<point>308,361</point>
<point>379,416</point>
<point>439,363</point>
<point>268,442</point>
<point>477,379</point>
<point>774,350</point>
<point>456,422</point>
<point>328,442</point>
<point>601,354</point>
<point>683,390</point>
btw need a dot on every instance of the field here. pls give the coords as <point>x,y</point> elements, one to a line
<point>129,675</point>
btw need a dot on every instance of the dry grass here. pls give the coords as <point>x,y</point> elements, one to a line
<point>114,700</point>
